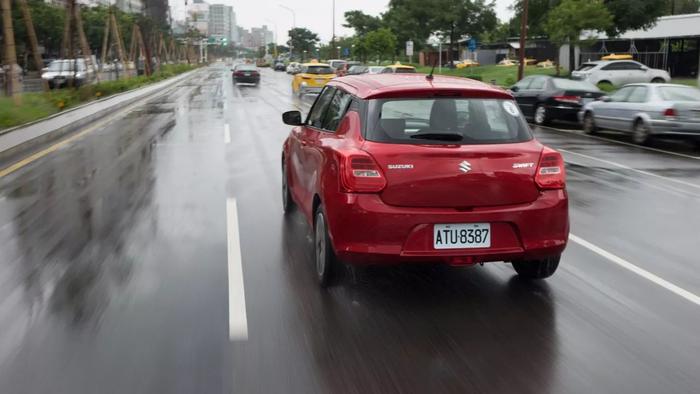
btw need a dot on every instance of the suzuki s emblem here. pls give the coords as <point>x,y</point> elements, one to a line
<point>465,166</point>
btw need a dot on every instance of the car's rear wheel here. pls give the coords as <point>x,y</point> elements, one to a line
<point>658,80</point>
<point>640,133</point>
<point>541,116</point>
<point>325,260</point>
<point>589,126</point>
<point>537,269</point>
<point>287,202</point>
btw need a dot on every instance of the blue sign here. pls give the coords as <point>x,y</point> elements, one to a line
<point>346,52</point>
<point>471,45</point>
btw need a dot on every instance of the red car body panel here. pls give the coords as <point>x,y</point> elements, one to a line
<point>395,225</point>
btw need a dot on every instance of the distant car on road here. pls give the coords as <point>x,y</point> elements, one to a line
<point>401,168</point>
<point>293,68</point>
<point>280,66</point>
<point>647,110</point>
<point>66,72</point>
<point>544,98</point>
<point>619,73</point>
<point>312,78</point>
<point>398,68</point>
<point>358,70</point>
<point>375,69</point>
<point>246,73</point>
<point>337,63</point>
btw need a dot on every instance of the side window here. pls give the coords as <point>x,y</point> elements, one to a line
<point>524,83</point>
<point>630,66</point>
<point>336,110</point>
<point>387,70</point>
<point>537,84</point>
<point>611,67</point>
<point>638,95</point>
<point>319,109</point>
<point>621,95</point>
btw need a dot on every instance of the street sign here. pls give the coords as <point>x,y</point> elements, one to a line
<point>472,45</point>
<point>346,52</point>
<point>409,48</point>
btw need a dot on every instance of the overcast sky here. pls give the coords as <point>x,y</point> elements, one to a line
<point>312,14</point>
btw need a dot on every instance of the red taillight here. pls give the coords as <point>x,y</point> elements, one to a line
<point>550,170</point>
<point>361,174</point>
<point>568,99</point>
<point>238,73</point>
<point>670,113</point>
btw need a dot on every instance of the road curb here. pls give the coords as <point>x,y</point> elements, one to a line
<point>22,139</point>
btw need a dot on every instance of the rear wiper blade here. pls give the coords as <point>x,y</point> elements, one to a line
<point>438,136</point>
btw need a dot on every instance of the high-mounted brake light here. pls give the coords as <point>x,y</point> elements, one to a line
<point>550,170</point>
<point>361,174</point>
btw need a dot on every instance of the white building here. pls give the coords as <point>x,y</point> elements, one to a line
<point>222,21</point>
<point>198,16</point>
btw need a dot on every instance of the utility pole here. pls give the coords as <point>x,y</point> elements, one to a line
<point>523,33</point>
<point>333,38</point>
<point>12,82</point>
<point>294,25</point>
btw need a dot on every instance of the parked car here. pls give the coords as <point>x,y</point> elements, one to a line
<point>246,73</point>
<point>337,63</point>
<point>293,68</point>
<point>467,63</point>
<point>544,98</point>
<point>358,70</point>
<point>619,73</point>
<point>398,68</point>
<point>375,69</point>
<point>280,66</point>
<point>67,72</point>
<point>312,78</point>
<point>647,110</point>
<point>401,168</point>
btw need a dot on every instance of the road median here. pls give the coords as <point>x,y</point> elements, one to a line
<point>25,138</point>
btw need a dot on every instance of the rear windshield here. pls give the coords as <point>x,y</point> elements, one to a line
<point>462,121</point>
<point>679,93</point>
<point>319,70</point>
<point>400,70</point>
<point>586,67</point>
<point>570,84</point>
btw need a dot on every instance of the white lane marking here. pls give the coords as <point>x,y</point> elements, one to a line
<point>623,143</point>
<point>637,270</point>
<point>647,173</point>
<point>227,134</point>
<point>237,320</point>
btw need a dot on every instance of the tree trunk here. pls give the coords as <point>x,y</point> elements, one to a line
<point>31,33</point>
<point>10,60</point>
<point>572,57</point>
<point>559,61</point>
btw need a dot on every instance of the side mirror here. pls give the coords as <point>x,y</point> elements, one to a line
<point>514,88</point>
<point>292,118</point>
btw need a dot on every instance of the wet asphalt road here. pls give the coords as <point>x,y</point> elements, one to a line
<point>113,272</point>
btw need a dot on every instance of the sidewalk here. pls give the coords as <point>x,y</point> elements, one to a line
<point>16,139</point>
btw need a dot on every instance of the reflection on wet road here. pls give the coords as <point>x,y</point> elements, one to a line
<point>114,272</point>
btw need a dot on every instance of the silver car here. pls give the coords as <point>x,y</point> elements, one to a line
<point>619,73</point>
<point>646,110</point>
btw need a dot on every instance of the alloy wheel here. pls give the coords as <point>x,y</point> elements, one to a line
<point>540,115</point>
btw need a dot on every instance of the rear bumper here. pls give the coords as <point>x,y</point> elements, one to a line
<point>246,79</point>
<point>563,112</point>
<point>364,230</point>
<point>678,128</point>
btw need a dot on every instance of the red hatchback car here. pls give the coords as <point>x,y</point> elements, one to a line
<point>414,168</point>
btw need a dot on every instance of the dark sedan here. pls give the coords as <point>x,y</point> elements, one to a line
<point>246,73</point>
<point>544,99</point>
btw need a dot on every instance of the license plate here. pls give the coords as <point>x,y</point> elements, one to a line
<point>462,236</point>
<point>246,74</point>
<point>320,80</point>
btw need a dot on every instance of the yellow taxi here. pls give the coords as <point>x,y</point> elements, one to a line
<point>613,56</point>
<point>398,68</point>
<point>312,78</point>
<point>467,63</point>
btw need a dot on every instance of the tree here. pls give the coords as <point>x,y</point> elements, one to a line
<point>48,25</point>
<point>380,43</point>
<point>362,23</point>
<point>537,13</point>
<point>499,33</point>
<point>678,7</point>
<point>455,19</point>
<point>302,39</point>
<point>633,14</point>
<point>410,20</point>
<point>568,20</point>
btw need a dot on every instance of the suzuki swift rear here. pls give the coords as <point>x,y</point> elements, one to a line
<point>410,168</point>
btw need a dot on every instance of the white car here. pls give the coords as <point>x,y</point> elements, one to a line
<point>61,71</point>
<point>619,73</point>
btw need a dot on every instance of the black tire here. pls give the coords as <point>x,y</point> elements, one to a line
<point>537,269</point>
<point>658,80</point>
<point>288,204</point>
<point>589,126</point>
<point>640,133</point>
<point>540,116</point>
<point>325,260</point>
